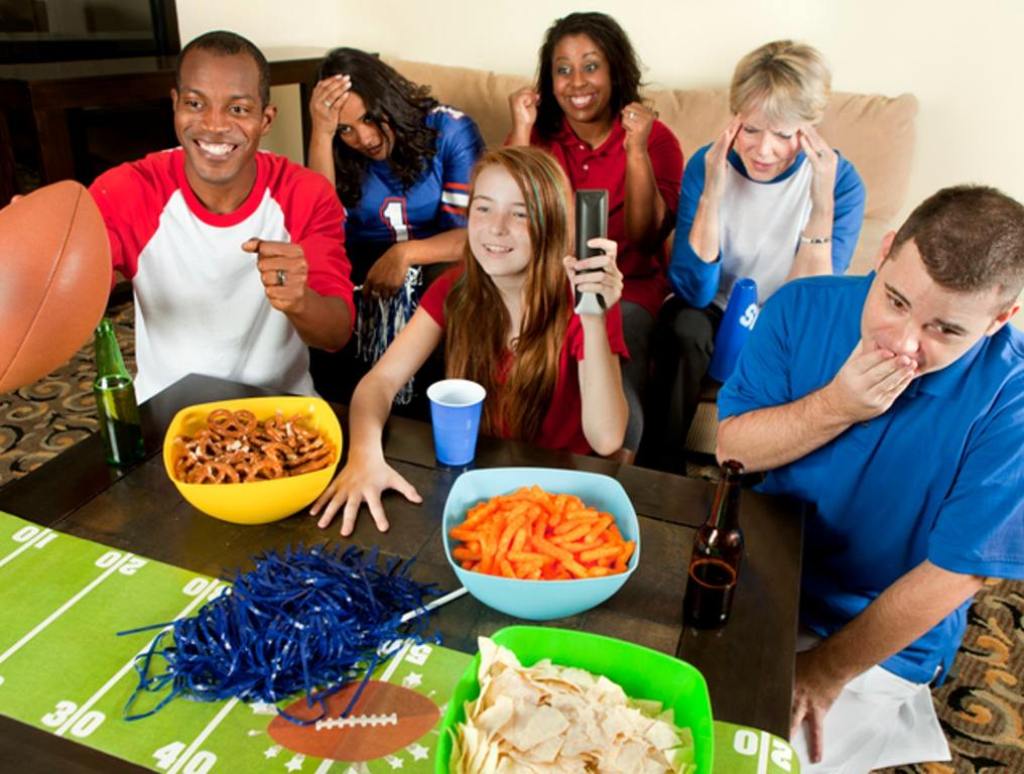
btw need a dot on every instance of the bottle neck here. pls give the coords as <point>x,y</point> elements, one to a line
<point>725,509</point>
<point>109,361</point>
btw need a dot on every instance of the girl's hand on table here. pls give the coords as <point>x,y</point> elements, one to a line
<point>361,481</point>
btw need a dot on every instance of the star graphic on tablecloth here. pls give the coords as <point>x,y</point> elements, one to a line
<point>394,761</point>
<point>295,763</point>
<point>263,708</point>
<point>272,752</point>
<point>412,680</point>
<point>418,752</point>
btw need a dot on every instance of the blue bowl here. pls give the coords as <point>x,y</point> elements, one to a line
<point>541,600</point>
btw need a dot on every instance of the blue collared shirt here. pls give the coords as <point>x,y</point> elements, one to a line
<point>939,476</point>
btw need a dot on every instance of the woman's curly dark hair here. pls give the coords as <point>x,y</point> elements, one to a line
<point>390,99</point>
<point>614,44</point>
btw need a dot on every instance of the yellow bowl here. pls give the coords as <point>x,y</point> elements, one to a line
<point>255,502</point>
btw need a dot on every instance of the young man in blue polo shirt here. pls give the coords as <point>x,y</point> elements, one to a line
<point>894,404</point>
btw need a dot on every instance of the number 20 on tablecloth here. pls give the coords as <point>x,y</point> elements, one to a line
<point>743,749</point>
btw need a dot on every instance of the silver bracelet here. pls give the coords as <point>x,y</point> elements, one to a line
<point>815,240</point>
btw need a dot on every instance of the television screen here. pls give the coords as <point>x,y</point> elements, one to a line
<point>64,30</point>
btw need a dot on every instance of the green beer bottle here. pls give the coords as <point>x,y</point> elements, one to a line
<point>115,400</point>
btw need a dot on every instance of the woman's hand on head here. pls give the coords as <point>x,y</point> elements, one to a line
<point>637,120</point>
<point>358,482</point>
<point>522,104</point>
<point>326,101</point>
<point>718,156</point>
<point>824,163</point>
<point>598,273</point>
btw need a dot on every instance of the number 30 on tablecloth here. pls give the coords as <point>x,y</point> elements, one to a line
<point>82,727</point>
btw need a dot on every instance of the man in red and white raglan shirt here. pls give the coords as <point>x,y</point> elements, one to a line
<point>235,255</point>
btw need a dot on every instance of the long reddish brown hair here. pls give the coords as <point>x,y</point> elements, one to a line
<point>476,319</point>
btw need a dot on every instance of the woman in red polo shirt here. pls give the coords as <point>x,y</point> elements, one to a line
<point>586,110</point>
<point>506,319</point>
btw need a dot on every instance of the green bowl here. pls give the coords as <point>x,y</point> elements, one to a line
<point>643,674</point>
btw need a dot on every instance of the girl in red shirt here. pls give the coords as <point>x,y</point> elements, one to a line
<point>505,316</point>
<point>587,110</point>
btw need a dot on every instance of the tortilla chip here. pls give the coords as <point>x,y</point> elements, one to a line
<point>552,719</point>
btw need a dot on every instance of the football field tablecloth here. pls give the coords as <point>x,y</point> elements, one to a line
<point>63,668</point>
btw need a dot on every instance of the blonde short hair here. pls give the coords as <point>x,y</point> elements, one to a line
<point>788,81</point>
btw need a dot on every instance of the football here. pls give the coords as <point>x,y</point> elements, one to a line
<point>54,280</point>
<point>385,719</point>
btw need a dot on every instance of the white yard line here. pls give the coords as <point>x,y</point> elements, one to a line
<point>324,766</point>
<point>25,546</point>
<point>762,758</point>
<point>214,588</point>
<point>395,661</point>
<point>64,608</point>
<point>210,727</point>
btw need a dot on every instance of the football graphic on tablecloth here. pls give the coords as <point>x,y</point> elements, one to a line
<point>385,719</point>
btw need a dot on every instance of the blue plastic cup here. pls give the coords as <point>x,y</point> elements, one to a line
<point>737,323</point>
<point>455,406</point>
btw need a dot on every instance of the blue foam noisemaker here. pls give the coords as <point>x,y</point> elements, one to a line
<point>305,619</point>
<point>737,323</point>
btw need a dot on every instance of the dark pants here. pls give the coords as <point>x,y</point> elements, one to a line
<point>637,325</point>
<point>683,342</point>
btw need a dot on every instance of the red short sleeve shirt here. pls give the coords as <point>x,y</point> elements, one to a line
<point>563,425</point>
<point>645,273</point>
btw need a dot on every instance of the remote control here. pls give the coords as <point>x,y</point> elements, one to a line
<point>591,222</point>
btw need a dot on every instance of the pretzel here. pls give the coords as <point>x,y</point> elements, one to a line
<point>213,473</point>
<point>234,448</point>
<point>231,424</point>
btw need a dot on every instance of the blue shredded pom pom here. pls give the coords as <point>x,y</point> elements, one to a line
<point>379,319</point>
<point>307,619</point>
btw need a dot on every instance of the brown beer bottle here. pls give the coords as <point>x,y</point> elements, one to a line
<point>715,561</point>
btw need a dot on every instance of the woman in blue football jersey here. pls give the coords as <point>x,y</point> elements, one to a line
<point>401,165</point>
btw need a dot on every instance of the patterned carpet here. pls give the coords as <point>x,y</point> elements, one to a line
<point>980,706</point>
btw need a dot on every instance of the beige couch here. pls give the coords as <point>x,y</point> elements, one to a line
<point>876,133</point>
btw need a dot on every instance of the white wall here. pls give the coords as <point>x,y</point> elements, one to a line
<point>270,23</point>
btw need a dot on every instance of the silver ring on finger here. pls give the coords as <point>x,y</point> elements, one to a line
<point>328,102</point>
<point>282,277</point>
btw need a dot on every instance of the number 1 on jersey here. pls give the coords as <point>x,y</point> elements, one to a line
<point>392,212</point>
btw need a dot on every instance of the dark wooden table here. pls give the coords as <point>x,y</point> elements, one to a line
<point>748,663</point>
<point>50,90</point>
